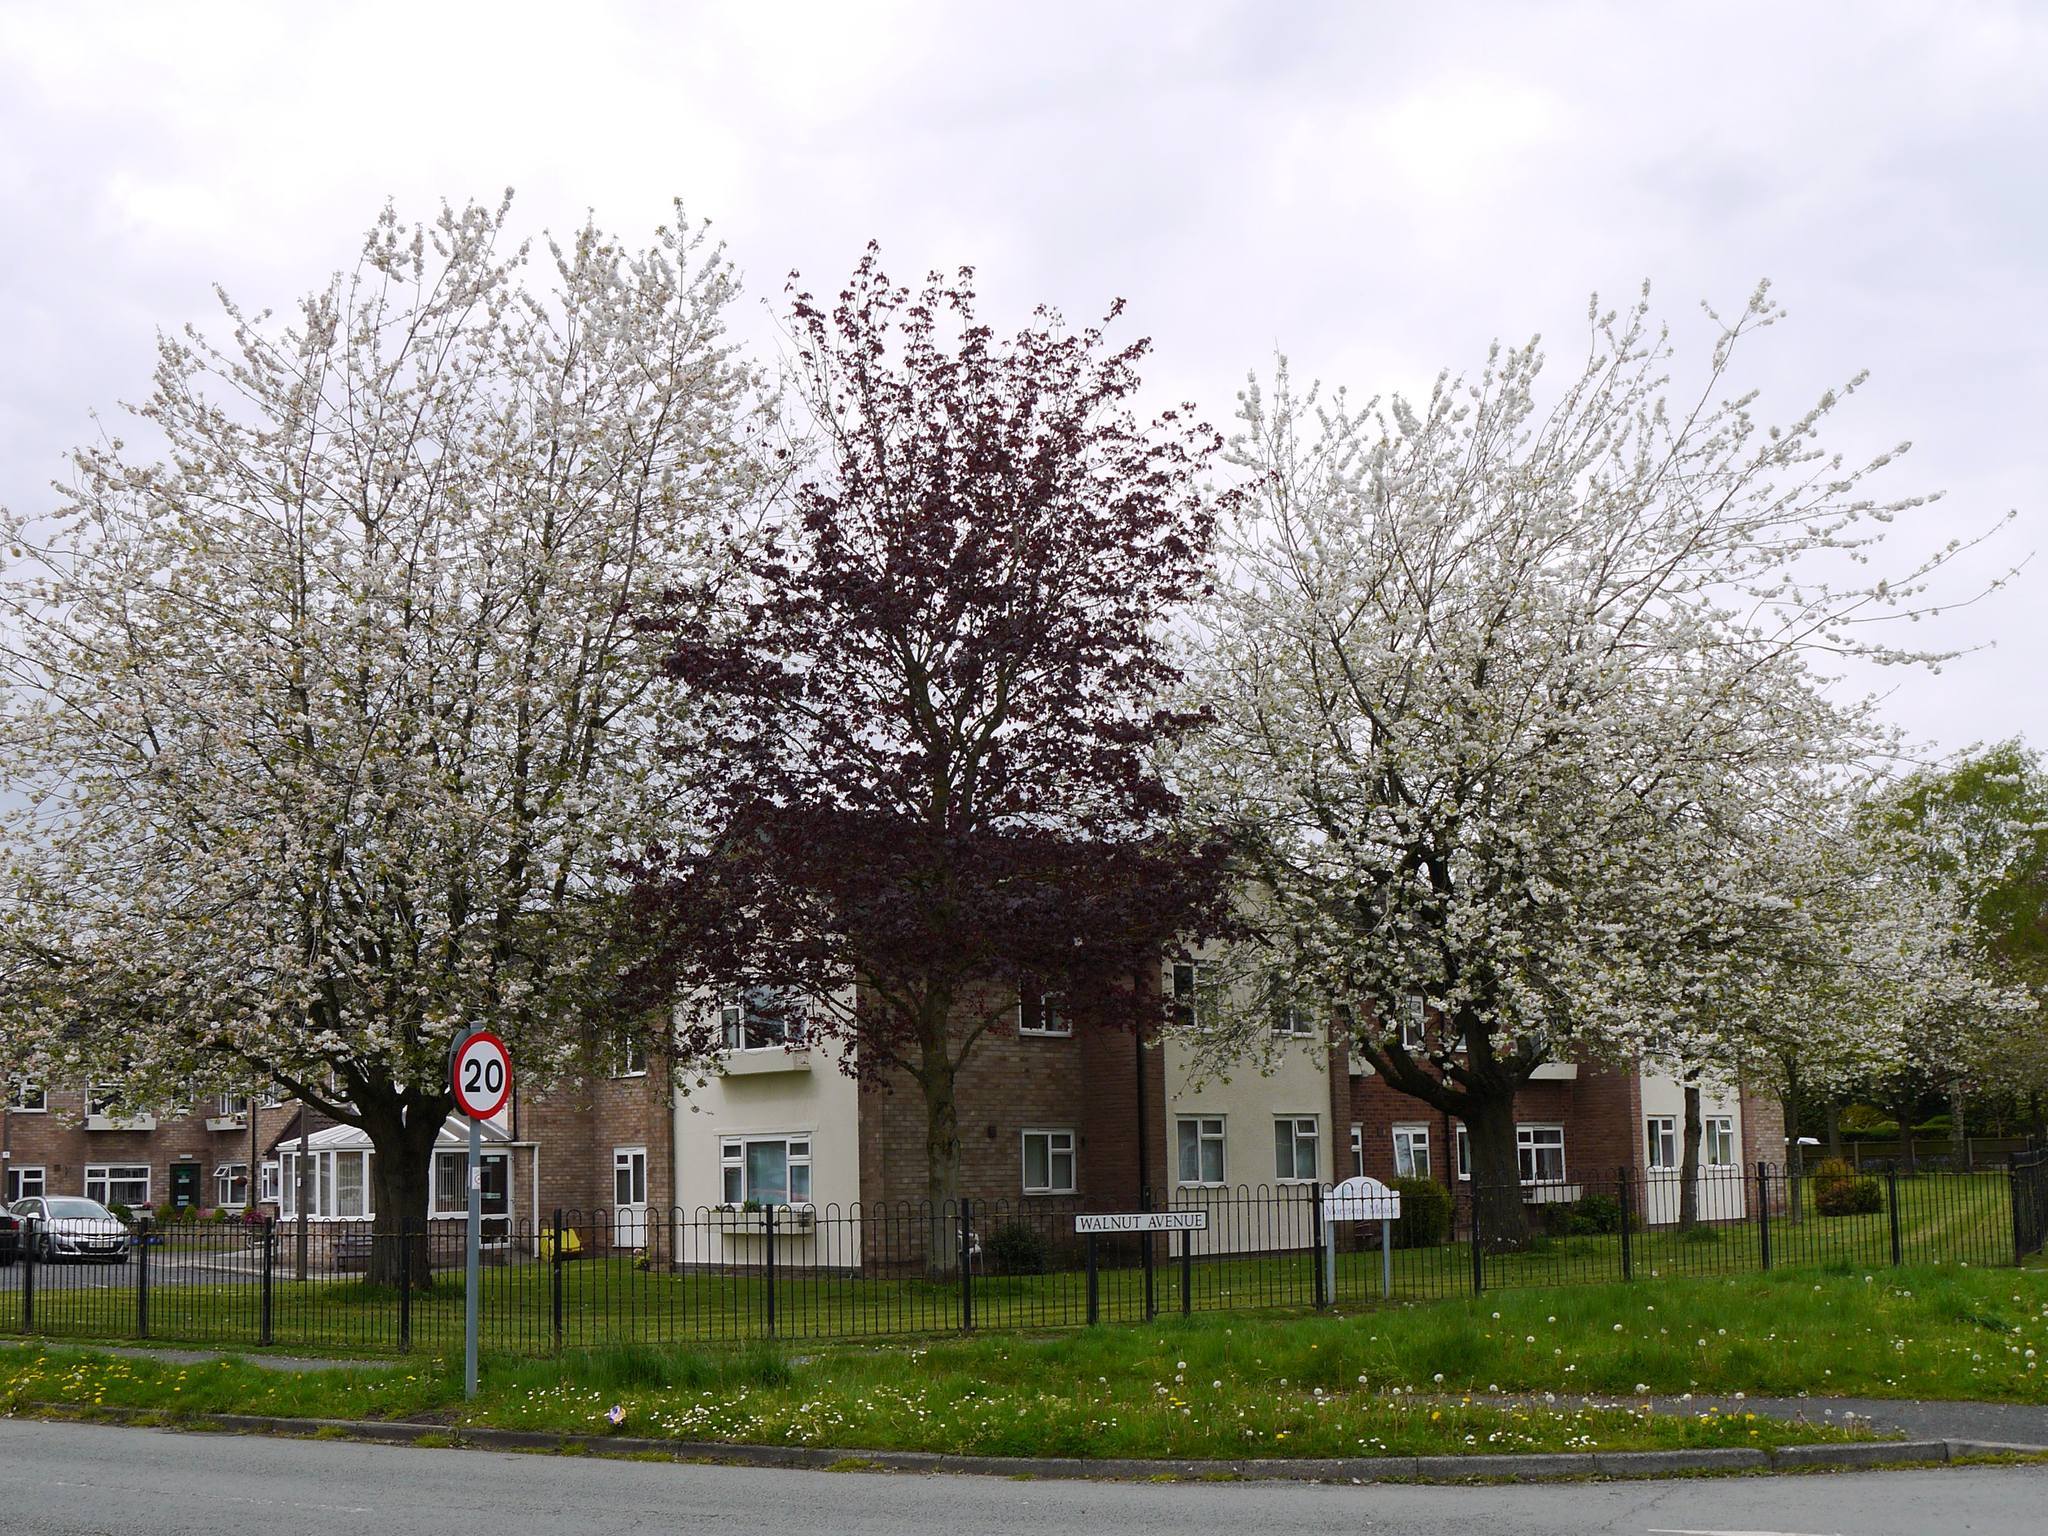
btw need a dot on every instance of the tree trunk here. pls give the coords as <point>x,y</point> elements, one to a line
<point>1907,1159</point>
<point>1496,1172</point>
<point>1834,1130</point>
<point>1689,1161</point>
<point>401,1175</point>
<point>1795,1152</point>
<point>942,1159</point>
<point>1958,1130</point>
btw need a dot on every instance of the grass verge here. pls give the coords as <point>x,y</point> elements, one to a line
<point>1391,1381</point>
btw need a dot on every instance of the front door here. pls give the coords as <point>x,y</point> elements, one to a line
<point>184,1186</point>
<point>496,1204</point>
<point>629,1197</point>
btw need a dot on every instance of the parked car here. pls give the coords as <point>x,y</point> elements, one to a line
<point>72,1227</point>
<point>10,1236</point>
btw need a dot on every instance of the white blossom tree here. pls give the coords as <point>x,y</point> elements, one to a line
<point>1496,677</point>
<point>328,707</point>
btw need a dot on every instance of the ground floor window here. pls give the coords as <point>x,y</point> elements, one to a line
<point>1358,1151</point>
<point>24,1184</point>
<point>1462,1139</point>
<point>267,1185</point>
<point>231,1185</point>
<point>1048,1162</point>
<point>1720,1141</point>
<point>1540,1150</point>
<point>766,1170</point>
<point>1660,1136</point>
<point>1201,1149</point>
<point>118,1183</point>
<point>1294,1147</point>
<point>629,1176</point>
<point>1411,1151</point>
<point>338,1185</point>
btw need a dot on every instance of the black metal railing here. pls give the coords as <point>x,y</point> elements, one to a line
<point>579,1278</point>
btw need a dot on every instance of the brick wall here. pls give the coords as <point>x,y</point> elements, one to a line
<point>56,1140</point>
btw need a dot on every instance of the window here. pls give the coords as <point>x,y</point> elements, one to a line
<point>451,1184</point>
<point>1540,1150</point>
<point>1294,1147</point>
<point>29,1097</point>
<point>231,1185</point>
<point>1411,1151</point>
<point>338,1184</point>
<point>1040,1015</point>
<point>24,1184</point>
<point>103,1098</point>
<point>1358,1151</point>
<point>1414,1022</point>
<point>766,1170</point>
<point>231,1106</point>
<point>629,1176</point>
<point>273,1097</point>
<point>1720,1141</point>
<point>1191,1002</point>
<point>117,1183</point>
<point>1201,1149</point>
<point>1048,1162</point>
<point>1294,1020</point>
<point>1463,1139</point>
<point>629,1056</point>
<point>1660,1135</point>
<point>761,1021</point>
<point>266,1187</point>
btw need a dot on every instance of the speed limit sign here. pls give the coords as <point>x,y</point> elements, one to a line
<point>483,1076</point>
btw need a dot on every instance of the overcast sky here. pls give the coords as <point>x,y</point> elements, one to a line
<point>1376,190</point>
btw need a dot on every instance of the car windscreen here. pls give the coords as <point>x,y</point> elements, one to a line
<point>90,1210</point>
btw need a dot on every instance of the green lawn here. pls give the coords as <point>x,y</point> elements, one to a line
<point>1400,1380</point>
<point>1964,1222</point>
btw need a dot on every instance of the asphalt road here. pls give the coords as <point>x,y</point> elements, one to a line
<point>68,1480</point>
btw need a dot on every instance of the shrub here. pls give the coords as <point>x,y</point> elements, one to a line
<point>1848,1196</point>
<point>1593,1216</point>
<point>1707,1235</point>
<point>1017,1248</point>
<point>1425,1213</point>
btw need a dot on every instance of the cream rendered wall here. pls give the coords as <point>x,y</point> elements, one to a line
<point>1722,1191</point>
<point>1245,1215</point>
<point>771,1093</point>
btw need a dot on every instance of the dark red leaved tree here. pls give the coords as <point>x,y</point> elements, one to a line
<point>932,731</point>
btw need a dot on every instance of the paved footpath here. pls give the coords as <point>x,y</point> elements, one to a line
<point>84,1480</point>
<point>2005,1423</point>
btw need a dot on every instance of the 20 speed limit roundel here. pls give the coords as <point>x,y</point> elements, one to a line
<point>483,1076</point>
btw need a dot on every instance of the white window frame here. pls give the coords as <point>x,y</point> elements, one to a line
<point>107,1175</point>
<point>631,1161</point>
<point>326,1183</point>
<point>1357,1150</point>
<point>734,1036</point>
<point>1189,1012</point>
<point>106,1093</point>
<point>268,1182</point>
<point>732,1158</point>
<point>1660,1143</point>
<point>1407,1138</point>
<point>1291,1021</point>
<point>1048,1008</point>
<point>224,1186</point>
<point>229,1106</point>
<point>18,1100</point>
<point>1414,1022</point>
<point>1462,1147</point>
<point>1300,1129</point>
<point>17,1181</point>
<point>628,1056</point>
<point>1209,1130</point>
<point>1053,1135</point>
<point>1533,1139</point>
<point>461,1158</point>
<point>1726,1135</point>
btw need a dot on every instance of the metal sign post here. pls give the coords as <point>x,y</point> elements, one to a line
<point>480,1070</point>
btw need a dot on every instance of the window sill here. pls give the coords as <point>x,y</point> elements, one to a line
<point>1555,1072</point>
<point>1545,1192</point>
<point>120,1122</point>
<point>1045,1034</point>
<point>1043,1194</point>
<point>788,1218</point>
<point>227,1122</point>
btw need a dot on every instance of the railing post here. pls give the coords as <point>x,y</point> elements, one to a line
<point>966,1264</point>
<point>1187,1273</point>
<point>1145,1248</point>
<point>2019,1225</point>
<point>142,1283</point>
<point>1094,1296</point>
<point>1315,1229</point>
<point>266,1305</point>
<point>1478,1262</point>
<point>404,1284</point>
<point>769,1229</point>
<point>1628,1265</point>
<point>555,1281</point>
<point>1891,1202</point>
<point>28,1275</point>
<point>1763,1213</point>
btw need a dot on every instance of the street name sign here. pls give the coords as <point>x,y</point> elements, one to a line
<point>1142,1221</point>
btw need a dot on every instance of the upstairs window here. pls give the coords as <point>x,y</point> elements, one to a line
<point>29,1097</point>
<point>761,1020</point>
<point>1414,1022</point>
<point>1039,1014</point>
